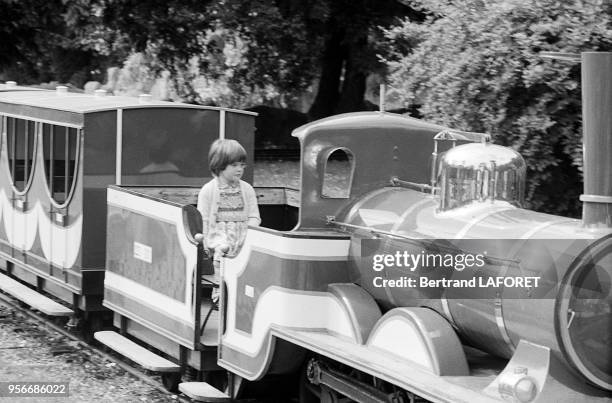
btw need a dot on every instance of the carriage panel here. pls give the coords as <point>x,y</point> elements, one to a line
<point>241,127</point>
<point>151,264</point>
<point>167,146</point>
<point>279,279</point>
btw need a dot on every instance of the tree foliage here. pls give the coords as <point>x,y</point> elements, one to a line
<point>475,65</point>
<point>218,51</point>
<point>273,48</point>
<point>55,40</point>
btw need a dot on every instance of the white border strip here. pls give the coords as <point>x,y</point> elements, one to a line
<point>145,206</point>
<point>298,247</point>
<point>53,122</point>
<point>147,296</point>
<point>119,147</point>
<point>287,308</point>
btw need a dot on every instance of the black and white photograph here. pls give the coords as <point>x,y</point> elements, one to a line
<point>316,201</point>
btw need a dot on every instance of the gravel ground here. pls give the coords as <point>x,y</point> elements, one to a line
<point>29,352</point>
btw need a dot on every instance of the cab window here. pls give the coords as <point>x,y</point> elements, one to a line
<point>338,174</point>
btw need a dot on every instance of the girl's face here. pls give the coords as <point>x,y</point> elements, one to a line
<point>233,172</point>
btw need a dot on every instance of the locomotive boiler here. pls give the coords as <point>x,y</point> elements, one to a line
<point>566,308</point>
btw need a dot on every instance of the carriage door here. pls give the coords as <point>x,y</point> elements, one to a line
<point>61,147</point>
<point>21,148</point>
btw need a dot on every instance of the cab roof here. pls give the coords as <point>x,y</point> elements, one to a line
<point>363,120</point>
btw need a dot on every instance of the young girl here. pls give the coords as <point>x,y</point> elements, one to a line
<point>228,204</point>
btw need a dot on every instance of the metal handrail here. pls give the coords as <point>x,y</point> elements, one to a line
<point>423,187</point>
<point>374,231</point>
<point>332,221</point>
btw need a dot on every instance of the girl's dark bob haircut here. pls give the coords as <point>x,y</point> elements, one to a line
<point>225,152</point>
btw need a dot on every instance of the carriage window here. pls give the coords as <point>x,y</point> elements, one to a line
<point>59,151</point>
<point>20,135</point>
<point>338,174</point>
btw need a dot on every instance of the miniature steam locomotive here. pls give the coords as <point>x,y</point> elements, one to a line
<point>327,294</point>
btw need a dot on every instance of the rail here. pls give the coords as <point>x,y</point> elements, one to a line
<point>14,304</point>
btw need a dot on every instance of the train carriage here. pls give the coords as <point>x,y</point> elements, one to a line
<point>59,152</point>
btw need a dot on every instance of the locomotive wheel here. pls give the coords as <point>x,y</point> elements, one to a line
<point>318,394</point>
<point>310,392</point>
<point>171,381</point>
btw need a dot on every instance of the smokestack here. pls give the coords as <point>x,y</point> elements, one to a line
<point>597,139</point>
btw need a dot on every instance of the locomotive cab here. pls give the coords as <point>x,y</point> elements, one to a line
<point>297,276</point>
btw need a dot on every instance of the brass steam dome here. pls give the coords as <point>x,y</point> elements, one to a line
<point>481,172</point>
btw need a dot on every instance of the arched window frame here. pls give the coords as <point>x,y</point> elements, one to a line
<point>77,159</point>
<point>325,158</point>
<point>11,131</point>
<point>3,131</point>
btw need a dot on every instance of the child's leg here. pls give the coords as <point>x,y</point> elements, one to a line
<point>219,253</point>
<point>214,294</point>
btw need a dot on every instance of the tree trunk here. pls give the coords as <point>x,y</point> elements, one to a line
<point>355,76</point>
<point>328,92</point>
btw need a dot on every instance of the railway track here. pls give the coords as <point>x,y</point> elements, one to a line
<point>70,342</point>
<point>67,342</point>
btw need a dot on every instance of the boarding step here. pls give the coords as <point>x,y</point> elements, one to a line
<point>32,298</point>
<point>203,392</point>
<point>136,353</point>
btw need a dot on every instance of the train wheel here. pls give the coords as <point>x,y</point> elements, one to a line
<point>319,394</point>
<point>171,381</point>
<point>310,391</point>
